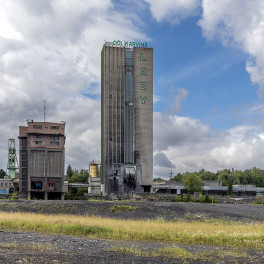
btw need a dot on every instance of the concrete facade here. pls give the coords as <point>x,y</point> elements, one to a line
<point>127,119</point>
<point>41,160</point>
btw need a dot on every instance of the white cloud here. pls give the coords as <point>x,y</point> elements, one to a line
<point>171,131</point>
<point>239,24</point>
<point>191,145</point>
<point>176,105</point>
<point>173,10</point>
<point>51,50</point>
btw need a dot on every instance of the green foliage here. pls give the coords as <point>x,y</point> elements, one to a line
<point>77,176</point>
<point>2,173</point>
<point>121,208</point>
<point>192,182</point>
<point>81,191</point>
<point>177,198</point>
<point>158,180</point>
<point>261,201</point>
<point>178,177</point>
<point>194,199</point>
<point>228,177</point>
<point>69,172</point>
<point>186,197</point>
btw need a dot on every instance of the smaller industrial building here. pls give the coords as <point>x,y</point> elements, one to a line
<point>41,160</point>
<point>5,185</point>
<point>209,187</point>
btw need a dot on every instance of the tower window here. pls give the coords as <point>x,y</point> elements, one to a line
<point>37,126</point>
<point>54,127</point>
<point>53,143</point>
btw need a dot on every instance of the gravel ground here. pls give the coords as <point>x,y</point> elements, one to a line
<point>21,247</point>
<point>140,210</point>
<point>17,247</point>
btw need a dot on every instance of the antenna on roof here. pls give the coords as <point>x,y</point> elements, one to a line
<point>44,110</point>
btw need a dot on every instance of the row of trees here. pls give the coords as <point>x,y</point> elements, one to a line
<point>228,177</point>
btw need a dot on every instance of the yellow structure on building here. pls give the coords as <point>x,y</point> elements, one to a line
<point>94,170</point>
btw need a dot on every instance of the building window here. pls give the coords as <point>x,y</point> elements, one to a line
<point>38,142</point>
<point>37,136</point>
<point>36,185</point>
<point>51,186</point>
<point>5,184</point>
<point>54,137</point>
<point>54,127</point>
<point>53,143</point>
<point>1,184</point>
<point>37,126</point>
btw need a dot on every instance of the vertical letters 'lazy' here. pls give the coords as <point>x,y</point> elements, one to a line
<point>143,86</point>
<point>143,99</point>
<point>142,58</point>
<point>143,72</point>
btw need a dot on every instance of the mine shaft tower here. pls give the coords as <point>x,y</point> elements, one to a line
<point>12,164</point>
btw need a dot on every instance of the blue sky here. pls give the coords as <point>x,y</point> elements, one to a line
<point>208,75</point>
<point>215,76</point>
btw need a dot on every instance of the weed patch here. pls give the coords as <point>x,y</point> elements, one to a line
<point>228,234</point>
<point>179,253</point>
<point>122,208</point>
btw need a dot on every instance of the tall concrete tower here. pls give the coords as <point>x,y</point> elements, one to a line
<point>127,117</point>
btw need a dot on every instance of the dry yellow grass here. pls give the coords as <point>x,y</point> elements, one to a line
<point>210,233</point>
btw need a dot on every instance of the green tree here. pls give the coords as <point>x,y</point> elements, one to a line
<point>192,182</point>
<point>225,177</point>
<point>83,175</point>
<point>207,175</point>
<point>158,180</point>
<point>178,177</point>
<point>69,173</point>
<point>2,173</point>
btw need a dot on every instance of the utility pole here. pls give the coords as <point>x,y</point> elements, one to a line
<point>12,164</point>
<point>171,174</point>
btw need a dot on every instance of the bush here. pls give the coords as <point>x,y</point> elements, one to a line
<point>177,198</point>
<point>81,191</point>
<point>186,197</point>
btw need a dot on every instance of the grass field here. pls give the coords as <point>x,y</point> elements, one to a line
<point>219,233</point>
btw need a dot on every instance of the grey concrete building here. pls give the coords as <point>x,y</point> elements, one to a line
<point>127,117</point>
<point>41,160</point>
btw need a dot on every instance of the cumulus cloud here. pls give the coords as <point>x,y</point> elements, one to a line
<point>239,24</point>
<point>51,50</point>
<point>173,11</point>
<point>171,131</point>
<point>161,160</point>
<point>191,145</point>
